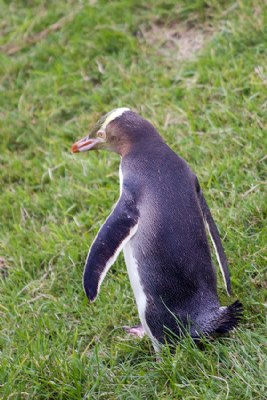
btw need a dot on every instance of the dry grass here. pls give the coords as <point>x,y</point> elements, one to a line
<point>179,41</point>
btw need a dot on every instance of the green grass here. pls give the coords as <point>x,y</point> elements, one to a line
<point>211,109</point>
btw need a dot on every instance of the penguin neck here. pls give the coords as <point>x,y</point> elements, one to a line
<point>125,148</point>
<point>146,141</point>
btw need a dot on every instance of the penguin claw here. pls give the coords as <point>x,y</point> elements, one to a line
<point>137,331</point>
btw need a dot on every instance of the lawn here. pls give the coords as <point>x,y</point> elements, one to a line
<point>197,70</point>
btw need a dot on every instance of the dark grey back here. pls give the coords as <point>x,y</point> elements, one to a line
<point>171,244</point>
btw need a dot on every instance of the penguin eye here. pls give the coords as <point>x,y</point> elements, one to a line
<point>101,134</point>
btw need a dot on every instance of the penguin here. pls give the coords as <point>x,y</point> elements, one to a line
<point>161,222</point>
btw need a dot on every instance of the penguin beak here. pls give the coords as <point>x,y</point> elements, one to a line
<point>85,144</point>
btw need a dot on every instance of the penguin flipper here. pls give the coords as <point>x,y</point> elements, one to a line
<point>215,238</point>
<point>118,228</point>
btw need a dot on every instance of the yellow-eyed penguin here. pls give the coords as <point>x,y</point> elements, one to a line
<point>159,222</point>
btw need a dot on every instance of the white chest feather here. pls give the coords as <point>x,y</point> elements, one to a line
<point>132,269</point>
<point>139,294</point>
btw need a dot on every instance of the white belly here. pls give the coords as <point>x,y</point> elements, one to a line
<point>139,294</point>
<point>132,268</point>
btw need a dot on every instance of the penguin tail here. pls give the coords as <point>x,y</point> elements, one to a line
<point>228,318</point>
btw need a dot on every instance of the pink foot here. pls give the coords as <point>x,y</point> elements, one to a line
<point>135,330</point>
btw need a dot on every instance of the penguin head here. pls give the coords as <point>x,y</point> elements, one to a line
<point>116,131</point>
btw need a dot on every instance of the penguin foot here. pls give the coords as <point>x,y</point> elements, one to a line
<point>137,330</point>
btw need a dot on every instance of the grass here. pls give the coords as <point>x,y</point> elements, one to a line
<point>210,107</point>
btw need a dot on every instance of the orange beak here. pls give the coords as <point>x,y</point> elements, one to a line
<point>84,144</point>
